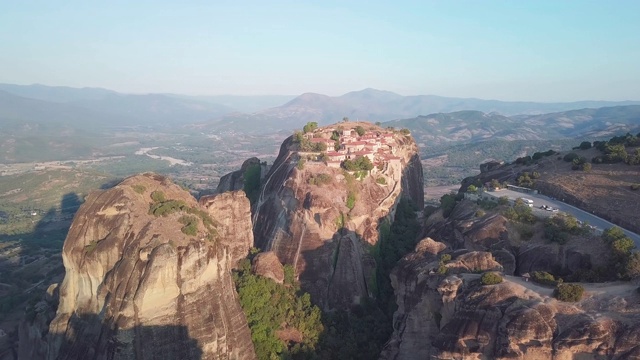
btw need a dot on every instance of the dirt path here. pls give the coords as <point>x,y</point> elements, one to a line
<point>617,288</point>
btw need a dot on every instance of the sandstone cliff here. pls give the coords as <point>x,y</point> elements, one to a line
<point>302,214</point>
<point>454,316</point>
<point>140,285</point>
<point>235,180</point>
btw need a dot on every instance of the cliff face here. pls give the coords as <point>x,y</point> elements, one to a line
<point>137,287</point>
<point>454,316</point>
<point>302,216</point>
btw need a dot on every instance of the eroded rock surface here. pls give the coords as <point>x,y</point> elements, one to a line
<point>453,316</point>
<point>267,264</point>
<point>137,287</point>
<point>305,219</point>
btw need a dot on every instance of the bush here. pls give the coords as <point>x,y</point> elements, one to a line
<point>447,203</point>
<point>635,186</point>
<point>300,164</point>
<point>503,200</point>
<point>311,125</point>
<point>381,180</point>
<point>190,224</point>
<point>140,189</point>
<point>158,196</point>
<point>490,278</point>
<point>359,163</point>
<point>320,179</point>
<point>251,182</point>
<point>570,157</point>
<point>585,145</point>
<point>351,200</point>
<point>568,292</point>
<point>543,277</point>
<point>445,258</point>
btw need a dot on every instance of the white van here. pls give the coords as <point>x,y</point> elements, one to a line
<point>529,202</point>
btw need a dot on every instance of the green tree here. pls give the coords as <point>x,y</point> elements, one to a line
<point>310,126</point>
<point>447,203</point>
<point>472,189</point>
<point>568,292</point>
<point>490,278</point>
<point>360,130</point>
<point>251,182</point>
<point>585,145</point>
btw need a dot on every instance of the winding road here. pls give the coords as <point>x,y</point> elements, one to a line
<point>599,223</point>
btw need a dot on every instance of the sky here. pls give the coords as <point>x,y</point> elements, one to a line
<point>506,50</point>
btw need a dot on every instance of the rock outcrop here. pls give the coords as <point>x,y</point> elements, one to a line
<point>456,317</point>
<point>302,214</point>
<point>235,180</point>
<point>267,264</point>
<point>149,279</point>
<point>494,233</point>
<point>233,213</point>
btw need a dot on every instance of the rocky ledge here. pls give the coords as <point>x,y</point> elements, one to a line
<point>148,277</point>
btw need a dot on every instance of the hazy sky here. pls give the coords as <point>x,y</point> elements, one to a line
<point>510,50</point>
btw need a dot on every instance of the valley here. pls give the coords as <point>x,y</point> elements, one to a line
<point>329,202</point>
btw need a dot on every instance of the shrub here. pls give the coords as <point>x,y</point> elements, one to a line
<point>568,292</point>
<point>480,213</point>
<point>490,278</point>
<point>635,186</point>
<point>190,224</point>
<point>320,179</point>
<point>570,157</point>
<point>251,182</point>
<point>140,189</point>
<point>359,163</point>
<point>586,167</point>
<point>445,258</point>
<point>503,200</point>
<point>543,277</point>
<point>351,200</point>
<point>381,180</point>
<point>585,145</point>
<point>311,125</point>
<point>167,207</point>
<point>158,196</point>
<point>300,164</point>
<point>447,203</point>
<point>442,270</point>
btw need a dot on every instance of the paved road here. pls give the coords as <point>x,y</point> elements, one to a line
<point>539,200</point>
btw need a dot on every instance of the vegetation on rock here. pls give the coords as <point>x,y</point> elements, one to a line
<point>490,278</point>
<point>568,292</point>
<point>283,322</point>
<point>251,179</point>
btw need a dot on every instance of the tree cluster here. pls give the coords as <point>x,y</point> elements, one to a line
<point>359,163</point>
<point>625,261</point>
<point>520,212</point>
<point>272,308</point>
<point>568,292</point>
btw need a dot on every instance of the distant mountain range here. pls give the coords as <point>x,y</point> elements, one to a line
<point>475,126</point>
<point>376,105</point>
<point>451,119</point>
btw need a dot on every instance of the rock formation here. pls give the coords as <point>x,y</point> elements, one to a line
<point>267,264</point>
<point>453,316</point>
<point>494,233</point>
<point>148,277</point>
<point>302,213</point>
<point>235,180</point>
